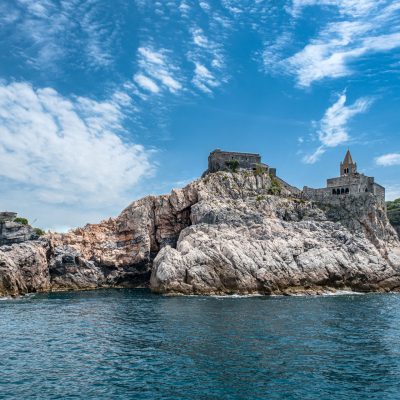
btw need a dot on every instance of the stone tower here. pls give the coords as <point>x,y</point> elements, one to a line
<point>348,166</point>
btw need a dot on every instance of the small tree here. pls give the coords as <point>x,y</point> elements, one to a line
<point>233,165</point>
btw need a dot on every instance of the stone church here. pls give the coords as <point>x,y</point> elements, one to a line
<point>350,182</point>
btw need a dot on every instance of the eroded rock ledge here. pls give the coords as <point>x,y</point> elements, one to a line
<point>226,233</point>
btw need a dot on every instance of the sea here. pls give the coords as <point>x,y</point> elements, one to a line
<point>132,344</point>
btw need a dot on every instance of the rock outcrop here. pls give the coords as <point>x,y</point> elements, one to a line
<point>242,232</point>
<point>24,268</point>
<point>14,232</point>
<point>281,245</point>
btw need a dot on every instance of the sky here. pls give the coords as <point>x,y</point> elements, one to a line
<point>103,102</point>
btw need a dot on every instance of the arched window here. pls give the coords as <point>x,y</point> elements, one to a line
<point>347,190</point>
<point>342,191</point>
<point>366,190</point>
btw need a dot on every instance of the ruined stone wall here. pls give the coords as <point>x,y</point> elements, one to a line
<point>319,195</point>
<point>217,160</point>
<point>379,192</point>
<point>325,196</point>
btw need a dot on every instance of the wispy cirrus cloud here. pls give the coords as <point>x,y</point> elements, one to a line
<point>355,8</point>
<point>332,130</point>
<point>208,60</point>
<point>48,32</point>
<point>388,160</point>
<point>156,72</point>
<point>359,30</point>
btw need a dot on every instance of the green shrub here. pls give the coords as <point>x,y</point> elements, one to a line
<point>233,165</point>
<point>275,188</point>
<point>22,221</point>
<point>260,197</point>
<point>393,211</point>
<point>39,232</point>
<point>259,170</point>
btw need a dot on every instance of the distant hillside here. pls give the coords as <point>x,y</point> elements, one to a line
<point>393,208</point>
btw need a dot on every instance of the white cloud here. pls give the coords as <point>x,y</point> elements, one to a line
<point>67,150</point>
<point>329,57</point>
<point>199,39</point>
<point>360,28</point>
<point>146,83</point>
<point>388,160</point>
<point>48,32</point>
<point>151,56</point>
<point>314,157</point>
<point>204,79</point>
<point>156,71</point>
<point>332,129</point>
<point>207,57</point>
<point>350,7</point>
<point>204,5</point>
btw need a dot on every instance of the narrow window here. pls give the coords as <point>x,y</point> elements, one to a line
<point>342,191</point>
<point>347,190</point>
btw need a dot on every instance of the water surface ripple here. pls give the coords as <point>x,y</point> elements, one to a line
<point>130,344</point>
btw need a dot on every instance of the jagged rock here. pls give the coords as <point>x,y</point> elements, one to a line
<point>15,232</point>
<point>24,268</point>
<point>225,233</point>
<point>277,244</point>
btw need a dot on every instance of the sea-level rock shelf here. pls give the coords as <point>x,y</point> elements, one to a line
<point>229,232</point>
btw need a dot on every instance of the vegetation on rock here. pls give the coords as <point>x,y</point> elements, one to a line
<point>232,165</point>
<point>276,187</point>
<point>259,170</point>
<point>393,211</point>
<point>22,221</point>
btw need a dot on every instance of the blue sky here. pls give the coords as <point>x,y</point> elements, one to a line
<point>104,102</point>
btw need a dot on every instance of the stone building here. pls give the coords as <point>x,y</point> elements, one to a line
<point>350,182</point>
<point>219,160</point>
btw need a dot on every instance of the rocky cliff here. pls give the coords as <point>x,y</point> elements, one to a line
<point>393,211</point>
<point>226,233</point>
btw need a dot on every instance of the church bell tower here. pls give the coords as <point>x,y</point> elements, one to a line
<point>348,166</point>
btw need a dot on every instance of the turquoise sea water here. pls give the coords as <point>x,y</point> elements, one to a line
<point>130,344</point>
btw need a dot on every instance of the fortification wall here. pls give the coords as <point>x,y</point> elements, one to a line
<point>319,195</point>
<point>217,160</point>
<point>380,192</point>
<point>324,196</point>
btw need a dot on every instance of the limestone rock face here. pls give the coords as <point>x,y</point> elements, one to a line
<point>241,242</point>
<point>24,268</point>
<point>15,232</point>
<point>239,232</point>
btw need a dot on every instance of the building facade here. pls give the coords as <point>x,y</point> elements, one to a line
<point>219,160</point>
<point>349,183</point>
